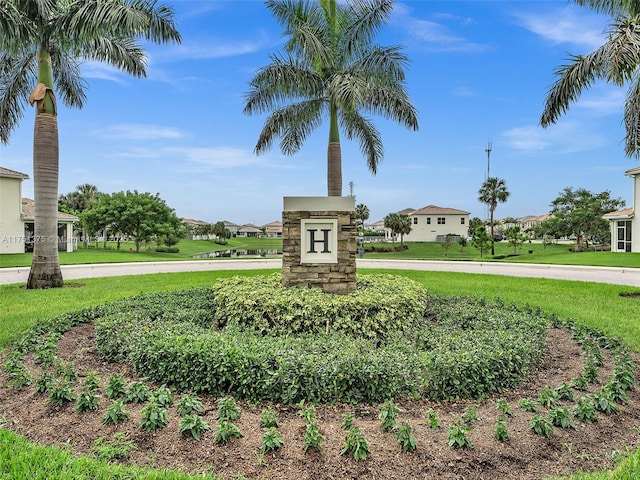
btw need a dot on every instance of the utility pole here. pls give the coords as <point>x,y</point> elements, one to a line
<point>351,184</point>
<point>488,150</point>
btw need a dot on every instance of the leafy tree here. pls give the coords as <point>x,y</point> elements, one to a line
<point>399,224</point>
<point>515,237</point>
<point>448,241</point>
<point>474,223</point>
<point>42,43</point>
<point>579,213</point>
<point>551,228</point>
<point>332,68</point>
<point>481,239</point>
<point>616,61</point>
<point>493,191</point>
<point>78,201</point>
<point>222,232</point>
<point>140,215</point>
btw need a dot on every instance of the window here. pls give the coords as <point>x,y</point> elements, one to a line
<point>461,220</point>
<point>441,220</point>
<point>428,220</point>
<point>415,220</point>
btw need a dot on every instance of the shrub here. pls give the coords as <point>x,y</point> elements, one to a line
<point>458,435</point>
<point>194,425</point>
<point>356,444</point>
<point>406,438</point>
<point>189,403</point>
<point>154,416</point>
<point>116,413</point>
<point>269,418</point>
<point>226,431</point>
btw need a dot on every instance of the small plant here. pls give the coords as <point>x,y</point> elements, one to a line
<point>194,424</point>
<point>115,386</point>
<point>458,435</point>
<point>347,421</point>
<point>271,440</point>
<point>116,413</point>
<point>585,410</point>
<point>87,400</point>
<point>603,402</point>
<point>312,437</point>
<point>154,416</point>
<point>528,405</point>
<point>228,409</point>
<point>624,376</point>
<point>593,353</point>
<point>470,414</point>
<point>504,407</point>
<point>118,448</point>
<point>548,398</point>
<point>500,431</point>
<point>540,425</point>
<point>67,370</point>
<point>616,392</point>
<point>189,403</point>
<point>61,392</point>
<point>137,392</point>
<point>559,416</point>
<point>163,397</point>
<point>45,381</point>
<point>406,438</point>
<point>20,377</point>
<point>308,415</point>
<point>388,413</point>
<point>225,431</point>
<point>269,418</point>
<point>591,372</point>
<point>355,443</point>
<point>91,381</point>
<point>564,392</point>
<point>45,353</point>
<point>433,420</point>
<point>580,383</point>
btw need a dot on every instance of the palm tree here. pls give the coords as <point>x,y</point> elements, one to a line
<point>42,43</point>
<point>332,69</point>
<point>362,213</point>
<point>81,199</point>
<point>399,224</point>
<point>493,191</point>
<point>615,61</point>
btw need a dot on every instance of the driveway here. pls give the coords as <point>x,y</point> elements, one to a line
<point>615,275</point>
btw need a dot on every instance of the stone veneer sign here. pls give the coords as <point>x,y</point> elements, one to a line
<point>319,243</point>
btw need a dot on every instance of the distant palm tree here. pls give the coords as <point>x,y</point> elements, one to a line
<point>80,200</point>
<point>42,43</point>
<point>493,191</point>
<point>332,69</point>
<point>616,61</point>
<point>399,224</point>
<point>362,213</point>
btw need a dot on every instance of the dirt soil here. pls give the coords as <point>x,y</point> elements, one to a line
<point>525,456</point>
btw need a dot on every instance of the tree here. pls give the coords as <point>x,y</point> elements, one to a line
<point>616,61</point>
<point>399,224</point>
<point>481,239</point>
<point>41,46</point>
<point>493,191</point>
<point>140,215</point>
<point>515,237</point>
<point>332,68</point>
<point>222,232</point>
<point>362,213</point>
<point>474,223</point>
<point>81,199</point>
<point>448,241</point>
<point>579,213</point>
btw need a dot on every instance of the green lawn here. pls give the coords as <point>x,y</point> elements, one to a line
<point>597,305</point>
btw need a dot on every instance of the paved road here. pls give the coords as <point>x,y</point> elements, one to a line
<point>615,275</point>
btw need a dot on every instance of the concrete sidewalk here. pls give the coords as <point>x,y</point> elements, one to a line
<point>614,275</point>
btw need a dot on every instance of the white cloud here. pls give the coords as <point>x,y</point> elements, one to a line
<point>206,48</point>
<point>565,25</point>
<point>142,132</point>
<point>102,72</point>
<point>563,137</point>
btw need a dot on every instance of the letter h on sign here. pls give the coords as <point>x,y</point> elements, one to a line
<point>319,240</point>
<point>313,241</point>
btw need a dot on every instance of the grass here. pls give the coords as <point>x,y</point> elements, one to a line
<point>598,305</point>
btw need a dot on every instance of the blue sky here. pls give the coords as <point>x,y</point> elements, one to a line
<point>479,72</point>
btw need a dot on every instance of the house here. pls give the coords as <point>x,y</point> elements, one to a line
<point>17,216</point>
<point>273,229</point>
<point>232,227</point>
<point>433,223</point>
<point>623,224</point>
<point>248,230</point>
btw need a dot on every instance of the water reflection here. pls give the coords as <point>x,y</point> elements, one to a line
<point>237,252</point>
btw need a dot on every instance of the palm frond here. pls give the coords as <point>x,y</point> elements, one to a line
<point>391,102</point>
<point>572,79</point>
<point>292,124</point>
<point>611,7</point>
<point>386,63</point>
<point>632,119</point>
<point>358,127</point>
<point>17,77</point>
<point>70,84</point>
<point>122,53</point>
<point>281,81</point>
<point>14,27</point>
<point>368,17</point>
<point>623,48</point>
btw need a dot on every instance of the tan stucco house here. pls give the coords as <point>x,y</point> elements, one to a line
<point>624,225</point>
<point>17,217</point>
<point>433,223</point>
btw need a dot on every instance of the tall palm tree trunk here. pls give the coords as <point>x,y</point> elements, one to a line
<point>493,251</point>
<point>45,267</point>
<point>334,156</point>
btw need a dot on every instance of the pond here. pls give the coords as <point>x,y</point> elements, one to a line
<point>238,252</point>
